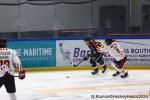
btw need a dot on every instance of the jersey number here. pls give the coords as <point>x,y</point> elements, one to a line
<point>4,62</point>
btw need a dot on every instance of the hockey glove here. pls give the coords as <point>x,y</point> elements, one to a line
<point>92,54</point>
<point>85,58</point>
<point>22,74</point>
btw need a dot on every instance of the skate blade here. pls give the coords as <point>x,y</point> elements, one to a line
<point>96,74</point>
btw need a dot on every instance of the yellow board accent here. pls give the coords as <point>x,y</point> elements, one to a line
<point>61,68</point>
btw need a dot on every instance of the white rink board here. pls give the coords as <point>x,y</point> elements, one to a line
<point>63,57</point>
<point>137,54</point>
<point>74,50</point>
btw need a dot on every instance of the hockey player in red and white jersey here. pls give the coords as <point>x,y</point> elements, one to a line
<point>119,57</point>
<point>9,60</point>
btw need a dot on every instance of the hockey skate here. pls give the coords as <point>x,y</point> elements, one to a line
<point>104,69</point>
<point>95,71</point>
<point>124,75</point>
<point>116,73</point>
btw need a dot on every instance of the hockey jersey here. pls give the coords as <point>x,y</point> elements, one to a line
<point>8,59</point>
<point>115,51</point>
<point>95,47</point>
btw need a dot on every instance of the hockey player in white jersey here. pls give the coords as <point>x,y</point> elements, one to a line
<point>9,60</point>
<point>119,57</point>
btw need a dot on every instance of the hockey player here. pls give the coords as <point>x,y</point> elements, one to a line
<point>119,57</point>
<point>9,59</point>
<point>95,55</point>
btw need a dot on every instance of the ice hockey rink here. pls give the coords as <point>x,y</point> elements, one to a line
<point>81,85</point>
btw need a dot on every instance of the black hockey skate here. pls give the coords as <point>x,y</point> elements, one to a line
<point>124,75</point>
<point>116,73</point>
<point>104,69</point>
<point>95,71</point>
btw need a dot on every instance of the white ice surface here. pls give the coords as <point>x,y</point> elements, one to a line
<point>80,85</point>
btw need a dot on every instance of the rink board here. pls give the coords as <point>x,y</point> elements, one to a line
<point>35,53</point>
<point>75,50</point>
<point>56,54</point>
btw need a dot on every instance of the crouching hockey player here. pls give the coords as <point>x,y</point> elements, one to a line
<point>96,56</point>
<point>119,57</point>
<point>9,58</point>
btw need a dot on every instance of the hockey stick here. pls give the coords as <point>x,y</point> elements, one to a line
<point>75,65</point>
<point>131,42</point>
